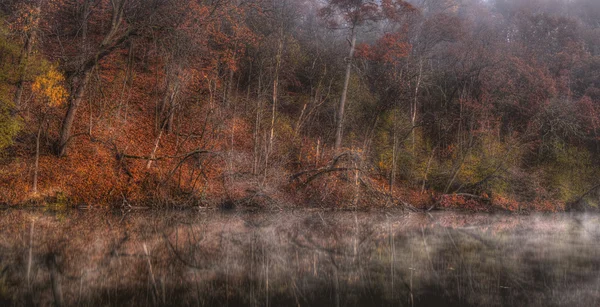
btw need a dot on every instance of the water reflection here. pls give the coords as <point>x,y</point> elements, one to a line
<point>298,258</point>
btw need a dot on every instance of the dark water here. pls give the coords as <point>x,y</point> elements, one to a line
<point>297,259</point>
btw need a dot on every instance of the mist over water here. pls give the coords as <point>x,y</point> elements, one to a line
<point>298,258</point>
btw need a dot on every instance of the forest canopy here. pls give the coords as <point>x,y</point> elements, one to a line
<point>332,103</point>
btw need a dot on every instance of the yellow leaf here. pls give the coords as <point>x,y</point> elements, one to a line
<point>50,86</point>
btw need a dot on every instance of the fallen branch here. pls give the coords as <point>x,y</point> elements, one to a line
<point>331,167</point>
<point>586,194</point>
<point>409,206</point>
<point>182,156</point>
<point>468,195</point>
<point>320,171</point>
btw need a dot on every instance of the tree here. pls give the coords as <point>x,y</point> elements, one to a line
<point>126,19</point>
<point>48,88</point>
<point>79,69</point>
<point>349,15</point>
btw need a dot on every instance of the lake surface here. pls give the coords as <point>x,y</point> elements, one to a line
<point>301,258</point>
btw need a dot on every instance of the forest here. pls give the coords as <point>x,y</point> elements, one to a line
<point>415,104</point>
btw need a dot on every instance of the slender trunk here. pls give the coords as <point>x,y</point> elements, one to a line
<point>342,106</point>
<point>275,97</point>
<point>37,160</point>
<point>317,153</point>
<point>413,118</point>
<point>394,155</point>
<point>126,81</point>
<point>249,81</point>
<point>162,116</point>
<point>172,106</point>
<point>229,87</point>
<point>228,90</point>
<point>395,146</point>
<point>275,94</point>
<point>299,122</point>
<point>171,119</point>
<point>427,170</point>
<point>84,23</point>
<point>356,195</point>
<point>153,154</point>
<point>257,124</point>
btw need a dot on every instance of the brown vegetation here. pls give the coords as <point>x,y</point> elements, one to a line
<point>480,105</point>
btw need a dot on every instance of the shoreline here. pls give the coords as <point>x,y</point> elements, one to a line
<point>226,207</point>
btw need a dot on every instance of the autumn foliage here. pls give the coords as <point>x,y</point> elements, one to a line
<point>490,105</point>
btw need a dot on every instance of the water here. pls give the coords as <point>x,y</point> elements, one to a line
<point>297,259</point>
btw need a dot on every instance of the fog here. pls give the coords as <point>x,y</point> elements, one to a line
<point>305,259</point>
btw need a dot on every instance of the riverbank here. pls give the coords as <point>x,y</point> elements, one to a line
<point>103,171</point>
<point>258,202</point>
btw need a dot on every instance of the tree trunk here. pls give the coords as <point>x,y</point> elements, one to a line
<point>37,160</point>
<point>275,96</point>
<point>413,117</point>
<point>173,104</point>
<point>153,154</point>
<point>275,91</point>
<point>257,123</point>
<point>67,124</point>
<point>169,104</point>
<point>394,154</point>
<point>342,106</point>
<point>84,24</point>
